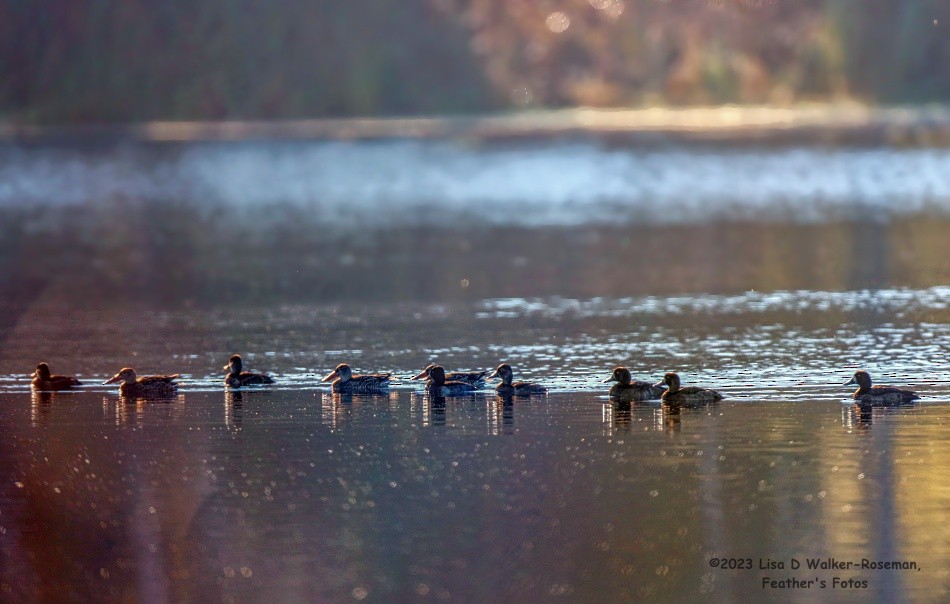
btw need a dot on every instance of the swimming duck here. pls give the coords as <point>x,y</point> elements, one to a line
<point>436,385</point>
<point>237,378</point>
<point>475,378</point>
<point>145,386</point>
<point>628,390</point>
<point>688,396</point>
<point>506,387</point>
<point>42,380</point>
<point>344,381</point>
<point>878,396</point>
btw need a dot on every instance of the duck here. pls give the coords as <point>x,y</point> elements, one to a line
<point>628,390</point>
<point>437,385</point>
<point>506,387</point>
<point>146,386</point>
<point>344,381</point>
<point>43,380</point>
<point>878,396</point>
<point>677,396</point>
<point>475,378</point>
<point>237,378</point>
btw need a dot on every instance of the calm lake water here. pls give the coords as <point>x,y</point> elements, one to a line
<point>769,274</point>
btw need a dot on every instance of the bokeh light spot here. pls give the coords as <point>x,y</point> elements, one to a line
<point>558,22</point>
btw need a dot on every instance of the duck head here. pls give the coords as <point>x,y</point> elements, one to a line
<point>425,372</point>
<point>504,372</point>
<point>42,372</point>
<point>672,380</point>
<point>342,371</point>
<point>127,375</point>
<point>234,364</point>
<point>437,375</point>
<point>620,374</point>
<point>861,378</point>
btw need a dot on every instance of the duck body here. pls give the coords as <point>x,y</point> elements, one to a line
<point>237,378</point>
<point>246,378</point>
<point>689,396</point>
<point>475,378</point>
<point>147,386</point>
<point>879,396</point>
<point>44,380</point>
<point>507,387</point>
<point>345,382</point>
<point>520,389</point>
<point>438,386</point>
<point>627,389</point>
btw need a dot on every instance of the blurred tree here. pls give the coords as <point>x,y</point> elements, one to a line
<point>111,60</point>
<point>105,60</point>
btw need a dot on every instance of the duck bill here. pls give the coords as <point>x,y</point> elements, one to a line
<point>114,379</point>
<point>493,374</point>
<point>332,376</point>
<point>660,385</point>
<point>850,382</point>
<point>610,379</point>
<point>425,373</point>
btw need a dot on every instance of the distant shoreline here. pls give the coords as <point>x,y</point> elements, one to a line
<point>842,124</point>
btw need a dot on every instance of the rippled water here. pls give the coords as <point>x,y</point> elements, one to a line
<point>769,275</point>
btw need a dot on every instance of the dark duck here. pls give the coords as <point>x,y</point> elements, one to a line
<point>157,386</point>
<point>688,396</point>
<point>237,377</point>
<point>475,378</point>
<point>44,380</point>
<point>628,390</point>
<point>437,385</point>
<point>345,382</point>
<point>878,396</point>
<point>508,388</point>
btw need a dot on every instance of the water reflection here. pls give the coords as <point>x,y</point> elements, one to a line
<point>669,418</point>
<point>433,410</point>
<point>856,417</point>
<point>321,503</point>
<point>617,417</point>
<point>334,407</point>
<point>233,408</point>
<point>129,410</point>
<point>501,415</point>
<point>40,405</point>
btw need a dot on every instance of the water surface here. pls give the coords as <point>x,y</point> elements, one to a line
<point>300,495</point>
<point>769,274</point>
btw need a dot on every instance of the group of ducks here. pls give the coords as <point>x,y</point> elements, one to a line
<point>672,393</point>
<point>344,381</point>
<point>439,383</point>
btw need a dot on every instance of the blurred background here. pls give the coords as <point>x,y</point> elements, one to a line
<point>109,61</point>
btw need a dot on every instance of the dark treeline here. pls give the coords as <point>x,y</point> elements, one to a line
<point>122,60</point>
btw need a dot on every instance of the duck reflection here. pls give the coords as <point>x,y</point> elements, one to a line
<point>501,415</point>
<point>129,410</point>
<point>233,408</point>
<point>40,406</point>
<point>618,417</point>
<point>433,410</point>
<point>857,417</point>
<point>335,407</point>
<point>668,418</point>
